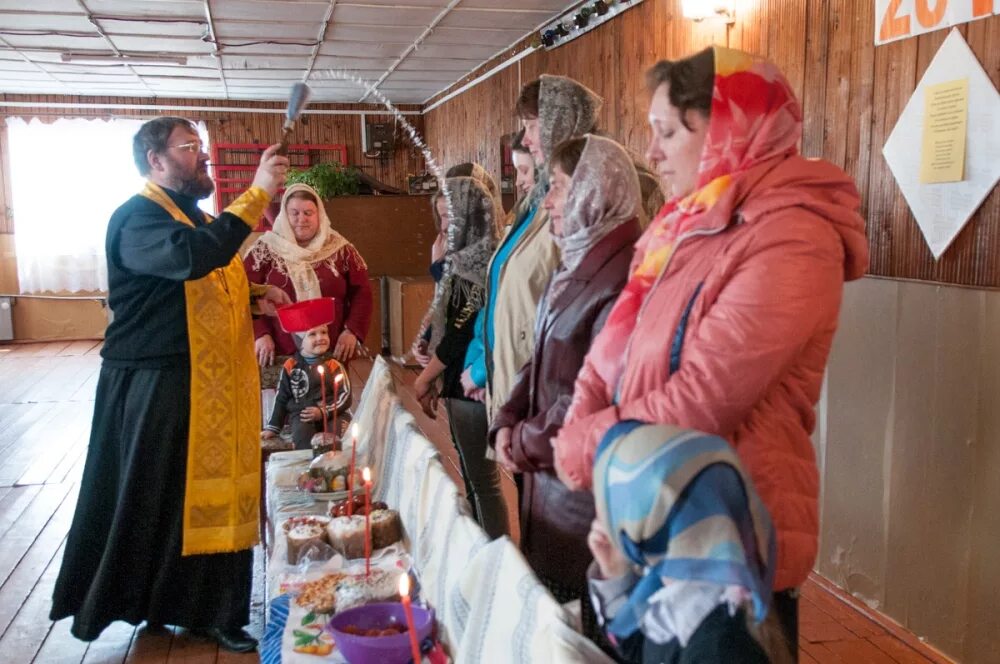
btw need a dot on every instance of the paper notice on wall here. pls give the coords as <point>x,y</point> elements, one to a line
<point>946,110</point>
<point>942,209</point>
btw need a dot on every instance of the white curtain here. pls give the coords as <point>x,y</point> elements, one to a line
<point>67,178</point>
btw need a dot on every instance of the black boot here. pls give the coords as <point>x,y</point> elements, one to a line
<point>233,640</point>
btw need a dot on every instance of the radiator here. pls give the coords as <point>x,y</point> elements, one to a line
<point>6,319</point>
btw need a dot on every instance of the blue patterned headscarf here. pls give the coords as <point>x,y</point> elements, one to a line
<point>677,503</point>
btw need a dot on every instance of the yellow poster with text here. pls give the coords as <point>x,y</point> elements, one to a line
<point>946,115</point>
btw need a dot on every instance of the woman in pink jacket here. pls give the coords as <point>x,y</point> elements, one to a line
<point>726,322</point>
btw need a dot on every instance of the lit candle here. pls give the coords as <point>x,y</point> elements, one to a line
<point>322,391</point>
<point>367,475</point>
<point>336,384</point>
<point>404,597</point>
<point>350,476</point>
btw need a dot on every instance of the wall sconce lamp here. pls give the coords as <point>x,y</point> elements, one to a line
<point>699,10</point>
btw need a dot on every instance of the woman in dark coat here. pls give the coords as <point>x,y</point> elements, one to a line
<point>593,205</point>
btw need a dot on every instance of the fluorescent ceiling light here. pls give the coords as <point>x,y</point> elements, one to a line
<point>112,59</point>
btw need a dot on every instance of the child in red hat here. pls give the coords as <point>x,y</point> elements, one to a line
<point>299,389</point>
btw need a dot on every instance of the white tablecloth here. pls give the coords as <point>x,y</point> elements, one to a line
<point>490,606</point>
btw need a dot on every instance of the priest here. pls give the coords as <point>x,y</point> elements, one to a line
<point>167,514</point>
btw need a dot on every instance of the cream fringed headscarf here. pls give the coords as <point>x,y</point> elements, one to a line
<point>472,237</point>
<point>298,262</point>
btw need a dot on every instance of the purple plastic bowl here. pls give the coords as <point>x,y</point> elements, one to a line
<point>378,649</point>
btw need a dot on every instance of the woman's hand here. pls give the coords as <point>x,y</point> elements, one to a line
<point>271,172</point>
<point>419,351</point>
<point>311,414</point>
<point>269,302</point>
<point>470,389</point>
<point>609,560</point>
<point>264,348</point>
<point>346,347</point>
<point>564,477</point>
<point>502,447</point>
<point>426,393</point>
<point>267,434</point>
<point>469,386</point>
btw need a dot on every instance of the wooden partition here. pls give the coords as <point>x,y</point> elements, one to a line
<point>852,94</point>
<point>393,233</point>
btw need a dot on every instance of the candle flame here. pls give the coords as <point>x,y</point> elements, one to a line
<point>321,369</point>
<point>404,585</point>
<point>366,474</point>
<point>339,378</point>
<point>354,430</point>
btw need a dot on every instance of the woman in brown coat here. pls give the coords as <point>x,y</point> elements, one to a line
<point>593,205</point>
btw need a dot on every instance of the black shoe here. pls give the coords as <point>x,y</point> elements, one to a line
<point>233,640</point>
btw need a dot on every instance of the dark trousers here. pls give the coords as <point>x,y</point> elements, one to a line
<point>482,476</point>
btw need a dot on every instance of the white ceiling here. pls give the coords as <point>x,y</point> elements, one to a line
<point>255,49</point>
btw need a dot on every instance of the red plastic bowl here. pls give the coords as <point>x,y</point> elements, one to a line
<point>393,649</point>
<point>305,315</point>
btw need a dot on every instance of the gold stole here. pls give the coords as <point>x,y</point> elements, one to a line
<point>222,496</point>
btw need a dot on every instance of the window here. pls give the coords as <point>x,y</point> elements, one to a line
<point>67,178</point>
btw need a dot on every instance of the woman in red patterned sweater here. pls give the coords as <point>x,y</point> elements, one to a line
<point>307,259</point>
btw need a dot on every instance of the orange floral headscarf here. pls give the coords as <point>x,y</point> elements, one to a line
<point>755,121</point>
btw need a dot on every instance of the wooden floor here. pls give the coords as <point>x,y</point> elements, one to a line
<point>46,401</point>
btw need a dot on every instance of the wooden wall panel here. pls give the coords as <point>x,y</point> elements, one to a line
<point>888,215</point>
<point>814,75</point>
<point>852,94</point>
<point>633,45</point>
<point>319,129</point>
<point>471,131</point>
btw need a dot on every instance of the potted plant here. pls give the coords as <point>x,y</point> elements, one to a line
<point>329,180</point>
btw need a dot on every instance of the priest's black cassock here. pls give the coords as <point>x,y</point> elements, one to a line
<point>136,550</point>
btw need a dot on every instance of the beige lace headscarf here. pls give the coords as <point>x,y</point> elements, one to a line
<point>603,194</point>
<point>566,109</point>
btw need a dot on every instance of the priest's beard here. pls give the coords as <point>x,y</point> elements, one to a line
<point>198,186</point>
<point>192,182</point>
